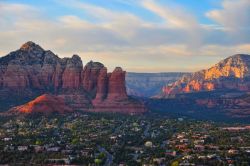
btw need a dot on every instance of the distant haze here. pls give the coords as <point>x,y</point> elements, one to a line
<point>149,84</point>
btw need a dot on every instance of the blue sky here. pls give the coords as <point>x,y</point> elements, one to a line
<point>142,35</point>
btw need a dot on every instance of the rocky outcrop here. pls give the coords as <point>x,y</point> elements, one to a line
<point>45,104</point>
<point>231,73</point>
<point>31,71</point>
<point>71,77</point>
<point>111,94</point>
<point>90,76</point>
<point>102,85</point>
<point>117,88</point>
<point>31,67</point>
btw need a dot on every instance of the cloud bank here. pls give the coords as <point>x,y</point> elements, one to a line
<point>178,42</point>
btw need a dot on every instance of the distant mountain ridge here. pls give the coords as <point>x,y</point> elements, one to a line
<point>230,73</point>
<point>149,84</point>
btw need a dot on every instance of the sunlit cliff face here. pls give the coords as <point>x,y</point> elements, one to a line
<point>44,104</point>
<point>227,74</point>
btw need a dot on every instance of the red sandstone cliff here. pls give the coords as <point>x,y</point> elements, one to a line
<point>111,94</point>
<point>32,67</point>
<point>32,71</point>
<point>231,73</point>
<point>90,75</point>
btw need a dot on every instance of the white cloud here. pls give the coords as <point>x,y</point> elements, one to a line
<point>72,21</point>
<point>233,16</point>
<point>175,17</point>
<point>121,38</point>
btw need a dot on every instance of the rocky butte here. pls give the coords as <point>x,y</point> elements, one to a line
<point>32,71</point>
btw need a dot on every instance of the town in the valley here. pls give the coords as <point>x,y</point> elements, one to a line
<point>114,139</point>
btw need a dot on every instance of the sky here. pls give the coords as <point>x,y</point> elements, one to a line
<point>138,35</point>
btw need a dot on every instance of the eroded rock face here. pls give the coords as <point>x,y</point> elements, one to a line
<point>71,77</point>
<point>117,88</point>
<point>31,67</point>
<point>45,104</point>
<point>90,75</point>
<point>112,96</point>
<point>102,85</point>
<point>32,70</point>
<point>231,73</point>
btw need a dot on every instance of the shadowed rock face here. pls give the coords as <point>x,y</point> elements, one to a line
<point>102,85</point>
<point>234,107</point>
<point>231,73</point>
<point>32,71</point>
<point>117,88</point>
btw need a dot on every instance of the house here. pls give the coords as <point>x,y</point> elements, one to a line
<point>202,157</point>
<point>181,146</point>
<point>38,148</point>
<point>55,161</point>
<point>188,157</point>
<point>199,141</point>
<point>149,144</point>
<point>22,148</point>
<point>159,160</point>
<point>170,153</point>
<point>233,151</point>
<point>7,139</point>
<point>211,156</point>
<point>86,152</point>
<point>184,140</point>
<point>9,148</point>
<point>180,136</point>
<point>236,139</point>
<point>199,148</point>
<point>186,163</point>
<point>212,147</point>
<point>53,149</point>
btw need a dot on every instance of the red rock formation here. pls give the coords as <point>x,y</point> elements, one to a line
<point>102,85</point>
<point>35,71</point>
<point>90,75</point>
<point>117,88</point>
<point>114,99</point>
<point>45,104</point>
<point>31,67</point>
<point>231,73</point>
<point>71,77</point>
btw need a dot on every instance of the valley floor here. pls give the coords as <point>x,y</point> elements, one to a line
<point>114,139</point>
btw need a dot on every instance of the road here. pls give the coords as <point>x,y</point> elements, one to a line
<point>109,159</point>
